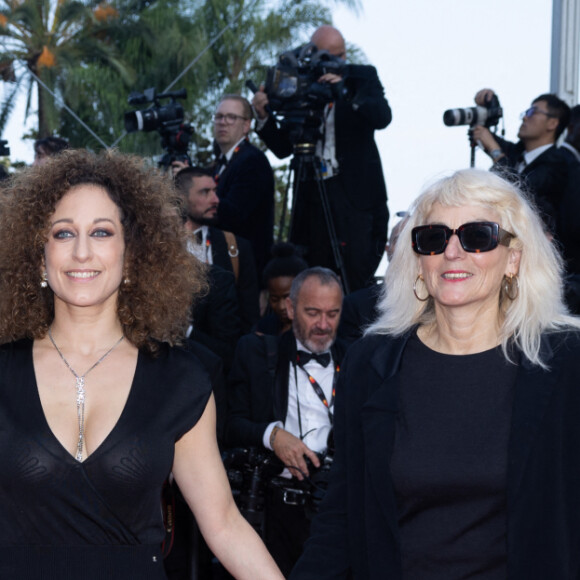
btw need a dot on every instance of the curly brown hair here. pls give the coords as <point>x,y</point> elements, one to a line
<point>163,278</point>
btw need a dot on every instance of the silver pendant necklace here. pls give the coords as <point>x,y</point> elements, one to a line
<point>80,388</point>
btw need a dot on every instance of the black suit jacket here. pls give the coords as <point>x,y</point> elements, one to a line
<point>545,178</point>
<point>568,228</point>
<point>258,392</point>
<point>216,322</point>
<point>247,283</point>
<point>246,192</point>
<point>356,533</point>
<point>359,309</point>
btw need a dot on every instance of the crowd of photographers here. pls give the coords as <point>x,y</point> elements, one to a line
<point>269,329</point>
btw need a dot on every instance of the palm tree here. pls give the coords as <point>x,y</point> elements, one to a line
<point>43,40</point>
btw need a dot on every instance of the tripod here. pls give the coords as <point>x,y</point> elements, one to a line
<point>305,166</point>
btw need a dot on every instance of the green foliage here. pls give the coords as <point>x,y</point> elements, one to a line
<point>102,51</point>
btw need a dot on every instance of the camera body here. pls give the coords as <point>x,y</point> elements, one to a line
<point>293,82</point>
<point>166,119</point>
<point>487,116</point>
<point>252,473</point>
<point>294,91</point>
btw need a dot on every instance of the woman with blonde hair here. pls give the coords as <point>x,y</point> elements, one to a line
<point>456,426</point>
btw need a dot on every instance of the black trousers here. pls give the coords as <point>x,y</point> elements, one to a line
<point>361,232</point>
<point>286,530</point>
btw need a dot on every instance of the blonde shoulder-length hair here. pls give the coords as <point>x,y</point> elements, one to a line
<point>539,306</point>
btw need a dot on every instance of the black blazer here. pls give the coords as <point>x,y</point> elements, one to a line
<point>356,533</point>
<point>568,230</point>
<point>258,392</point>
<point>216,322</point>
<point>247,287</point>
<point>246,192</point>
<point>545,178</point>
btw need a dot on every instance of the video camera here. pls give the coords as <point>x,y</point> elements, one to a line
<point>166,119</point>
<point>294,91</point>
<point>488,116</point>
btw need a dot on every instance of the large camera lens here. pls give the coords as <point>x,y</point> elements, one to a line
<point>146,120</point>
<point>467,116</point>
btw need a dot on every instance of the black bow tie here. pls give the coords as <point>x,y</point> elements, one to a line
<point>304,357</point>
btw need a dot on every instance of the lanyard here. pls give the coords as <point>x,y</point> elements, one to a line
<point>319,392</point>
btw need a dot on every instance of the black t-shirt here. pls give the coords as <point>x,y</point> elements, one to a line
<point>449,463</point>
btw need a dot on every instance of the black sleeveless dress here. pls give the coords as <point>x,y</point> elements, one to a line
<point>61,519</point>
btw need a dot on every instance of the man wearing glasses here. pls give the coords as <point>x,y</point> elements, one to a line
<point>534,158</point>
<point>245,182</point>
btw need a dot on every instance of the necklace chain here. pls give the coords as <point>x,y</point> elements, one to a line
<point>80,390</point>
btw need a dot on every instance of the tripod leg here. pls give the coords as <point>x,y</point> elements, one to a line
<point>330,227</point>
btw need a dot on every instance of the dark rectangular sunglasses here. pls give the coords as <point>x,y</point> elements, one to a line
<point>474,237</point>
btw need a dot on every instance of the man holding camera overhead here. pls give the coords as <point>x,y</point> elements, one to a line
<point>350,167</point>
<point>534,158</point>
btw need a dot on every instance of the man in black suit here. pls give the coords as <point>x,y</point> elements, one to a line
<point>350,165</point>
<point>224,249</point>
<point>535,157</point>
<point>569,224</point>
<point>281,397</point>
<point>245,179</point>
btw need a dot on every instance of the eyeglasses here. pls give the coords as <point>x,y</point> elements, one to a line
<point>474,237</point>
<point>533,111</point>
<point>228,118</point>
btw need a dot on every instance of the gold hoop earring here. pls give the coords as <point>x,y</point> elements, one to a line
<point>419,277</point>
<point>44,280</point>
<point>511,286</point>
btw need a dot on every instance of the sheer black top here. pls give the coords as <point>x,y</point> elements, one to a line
<point>60,518</point>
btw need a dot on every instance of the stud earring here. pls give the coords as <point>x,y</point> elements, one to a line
<point>44,280</point>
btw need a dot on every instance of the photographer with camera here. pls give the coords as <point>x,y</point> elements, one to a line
<point>534,159</point>
<point>281,398</point>
<point>350,167</point>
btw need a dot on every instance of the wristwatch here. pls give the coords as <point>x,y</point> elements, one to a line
<point>495,154</point>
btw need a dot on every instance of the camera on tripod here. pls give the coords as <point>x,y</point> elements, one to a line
<point>294,91</point>
<point>293,82</point>
<point>167,120</point>
<point>488,115</point>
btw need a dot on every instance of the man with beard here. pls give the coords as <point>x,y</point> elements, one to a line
<point>215,246</point>
<point>281,398</point>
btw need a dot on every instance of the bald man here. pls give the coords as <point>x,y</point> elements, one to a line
<point>353,175</point>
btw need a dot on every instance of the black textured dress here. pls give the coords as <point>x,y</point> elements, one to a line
<point>61,519</point>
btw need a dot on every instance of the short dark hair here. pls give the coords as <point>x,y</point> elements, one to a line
<point>248,114</point>
<point>558,108</point>
<point>50,145</point>
<point>285,262</point>
<point>574,115</point>
<point>186,175</point>
<point>324,275</point>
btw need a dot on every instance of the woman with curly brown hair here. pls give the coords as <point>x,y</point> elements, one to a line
<point>97,403</point>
